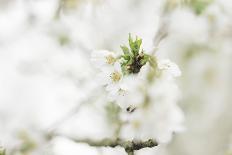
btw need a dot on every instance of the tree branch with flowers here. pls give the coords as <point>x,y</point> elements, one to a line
<point>140,103</point>
<point>141,98</point>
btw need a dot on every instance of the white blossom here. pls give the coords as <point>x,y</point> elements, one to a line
<point>103,58</point>
<point>159,122</point>
<point>161,117</point>
<point>125,90</point>
<point>169,69</point>
<point>121,89</point>
<point>129,92</point>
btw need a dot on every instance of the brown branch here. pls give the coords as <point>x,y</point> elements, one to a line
<point>129,146</point>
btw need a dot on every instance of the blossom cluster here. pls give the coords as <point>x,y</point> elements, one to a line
<point>144,87</point>
<point>120,73</point>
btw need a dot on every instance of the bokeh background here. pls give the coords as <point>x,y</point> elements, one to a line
<point>45,68</point>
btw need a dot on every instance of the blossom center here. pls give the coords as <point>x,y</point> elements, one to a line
<point>110,59</point>
<point>115,76</point>
<point>122,92</point>
<point>136,124</point>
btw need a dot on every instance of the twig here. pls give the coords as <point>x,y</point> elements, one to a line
<point>161,33</point>
<point>59,8</point>
<point>129,146</point>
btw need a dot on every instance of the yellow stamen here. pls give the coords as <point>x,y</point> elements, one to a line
<point>115,76</point>
<point>110,59</point>
<point>121,92</point>
<point>136,124</point>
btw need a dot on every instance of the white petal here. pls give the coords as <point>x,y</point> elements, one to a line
<point>169,67</point>
<point>117,67</point>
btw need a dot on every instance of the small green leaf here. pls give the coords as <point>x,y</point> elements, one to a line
<point>135,45</point>
<point>127,57</point>
<point>145,59</point>
<point>132,45</point>
<point>139,42</point>
<point>130,41</point>
<point>125,50</point>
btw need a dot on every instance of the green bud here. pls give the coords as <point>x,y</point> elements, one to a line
<point>133,58</point>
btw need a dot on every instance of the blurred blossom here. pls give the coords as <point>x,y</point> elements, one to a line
<point>160,117</point>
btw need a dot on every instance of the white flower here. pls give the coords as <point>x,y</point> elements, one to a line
<point>128,93</point>
<point>159,122</point>
<point>112,79</point>
<point>168,68</point>
<point>118,86</point>
<point>124,90</point>
<point>103,58</point>
<point>160,118</point>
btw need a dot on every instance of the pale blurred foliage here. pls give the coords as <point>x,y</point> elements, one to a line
<point>44,66</point>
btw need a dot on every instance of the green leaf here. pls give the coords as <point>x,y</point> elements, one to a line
<point>130,41</point>
<point>132,45</point>
<point>145,59</point>
<point>125,50</point>
<point>126,57</point>
<point>139,42</point>
<point>135,45</point>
